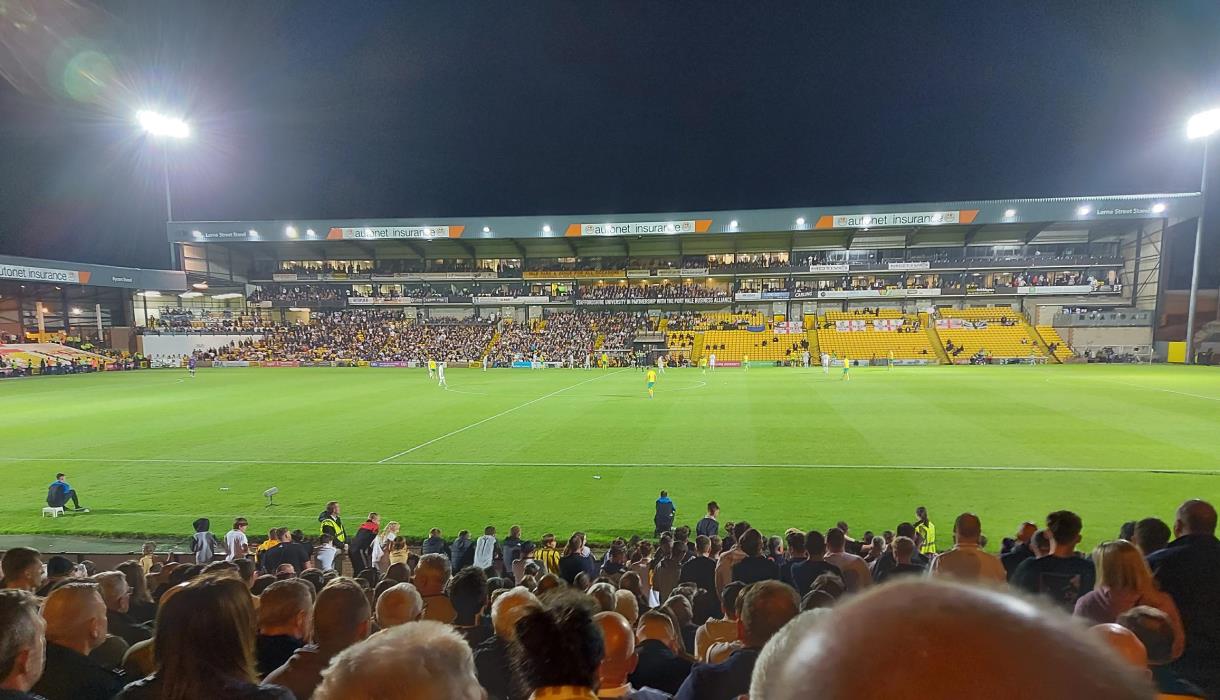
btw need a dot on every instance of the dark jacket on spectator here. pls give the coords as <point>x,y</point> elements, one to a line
<point>72,676</point>
<point>493,667</point>
<point>1189,570</point>
<point>707,526</point>
<point>723,681</point>
<point>435,545</point>
<point>150,689</point>
<point>659,667</point>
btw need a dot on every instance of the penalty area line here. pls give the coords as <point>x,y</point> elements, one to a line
<point>477,423</point>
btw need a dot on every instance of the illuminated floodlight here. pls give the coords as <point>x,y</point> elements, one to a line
<point>197,234</point>
<point>310,232</point>
<point>291,231</point>
<point>800,221</point>
<point>227,295</point>
<point>546,228</point>
<point>76,311</point>
<point>150,293</point>
<point>200,285</point>
<point>1083,210</point>
<point>1203,124</point>
<point>733,223</point>
<point>252,233</point>
<point>190,295</point>
<point>486,229</point>
<point>1009,213</point>
<point>298,308</point>
<point>1158,208</point>
<point>161,125</point>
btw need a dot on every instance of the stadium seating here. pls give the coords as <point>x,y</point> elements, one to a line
<point>1050,336</point>
<point>870,343</point>
<point>32,354</point>
<point>764,346</point>
<point>997,332</point>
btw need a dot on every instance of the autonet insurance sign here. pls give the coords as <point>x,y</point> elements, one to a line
<point>43,274</point>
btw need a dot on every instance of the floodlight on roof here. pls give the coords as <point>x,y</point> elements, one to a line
<point>1158,208</point>
<point>800,221</point>
<point>1083,210</point>
<point>1203,124</point>
<point>1009,213</point>
<point>161,125</point>
<point>546,228</point>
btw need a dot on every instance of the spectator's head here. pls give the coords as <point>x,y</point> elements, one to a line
<point>796,543</point>
<point>422,661</point>
<point>76,617</point>
<point>836,540</point>
<point>332,508</point>
<point>904,550</point>
<point>434,532</point>
<point>489,530</point>
<point>677,551</point>
<point>1195,517</point>
<point>1151,535</point>
<point>1154,629</point>
<point>778,650</point>
<point>603,596</point>
<point>921,513</point>
<point>627,605</point>
<point>432,574</point>
<point>241,524</point>
<point>21,568</point>
<point>664,494</point>
<point>1121,567</point>
<point>341,616</point>
<point>1026,531</point>
<point>22,640</point>
<point>657,626</point>
<point>815,544</point>
<point>751,543</point>
<point>1064,527</point>
<point>202,525</point>
<point>558,645</point>
<point>713,508</point>
<point>510,607</point>
<point>767,606</point>
<point>1040,543</point>
<point>284,607</point>
<point>246,571</point>
<point>1125,644</point>
<point>620,658</point>
<point>399,604</point>
<point>972,628</point>
<point>967,529</point>
<point>114,589</point>
<point>468,594</point>
<point>59,567</point>
<point>60,476</point>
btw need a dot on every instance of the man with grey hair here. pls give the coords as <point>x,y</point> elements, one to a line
<point>398,605</point>
<point>943,639</point>
<point>22,644</point>
<point>76,625</point>
<point>603,594</point>
<point>967,561</point>
<point>117,596</point>
<point>1189,571</point>
<point>431,575</point>
<point>491,658</point>
<point>423,661</point>
<point>767,607</point>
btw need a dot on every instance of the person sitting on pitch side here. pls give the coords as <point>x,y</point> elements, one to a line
<point>60,492</point>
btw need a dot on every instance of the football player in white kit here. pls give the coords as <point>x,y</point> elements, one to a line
<point>825,363</point>
<point>440,374</point>
<point>711,362</point>
<point>805,359</point>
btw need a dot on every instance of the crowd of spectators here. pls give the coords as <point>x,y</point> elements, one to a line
<point>714,612</point>
<point>304,293</point>
<point>373,335</point>
<point>567,337</point>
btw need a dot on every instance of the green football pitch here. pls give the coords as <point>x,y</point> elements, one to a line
<point>561,450</point>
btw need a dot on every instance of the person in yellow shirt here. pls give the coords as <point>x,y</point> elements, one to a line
<point>431,369</point>
<point>745,362</point>
<point>846,376</point>
<point>891,364</point>
<point>652,381</point>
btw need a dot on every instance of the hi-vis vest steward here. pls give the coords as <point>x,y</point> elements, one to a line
<point>340,535</point>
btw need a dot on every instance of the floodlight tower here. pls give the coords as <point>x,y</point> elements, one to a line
<point>164,128</point>
<point>1200,126</point>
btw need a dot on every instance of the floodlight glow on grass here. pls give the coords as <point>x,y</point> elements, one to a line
<point>161,125</point>
<point>1203,124</point>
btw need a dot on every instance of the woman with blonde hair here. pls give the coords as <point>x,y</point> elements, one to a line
<point>204,646</point>
<point>1124,581</point>
<point>382,544</point>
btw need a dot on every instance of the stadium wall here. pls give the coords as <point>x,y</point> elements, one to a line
<point>1079,338</point>
<point>186,343</point>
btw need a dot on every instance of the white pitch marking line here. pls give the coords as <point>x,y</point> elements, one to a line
<point>472,393</point>
<point>708,465</point>
<point>490,418</point>
<point>685,388</point>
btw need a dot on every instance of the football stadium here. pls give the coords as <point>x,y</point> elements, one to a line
<point>269,444</point>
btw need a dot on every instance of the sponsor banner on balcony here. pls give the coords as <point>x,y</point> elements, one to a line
<point>636,274</point>
<point>492,301</point>
<point>284,277</point>
<point>639,228</point>
<point>571,274</point>
<point>1057,289</point>
<point>917,265</point>
<point>874,293</point>
<point>693,271</point>
<point>44,274</point>
<point>669,272</point>
<point>434,276</point>
<point>373,233</point>
<point>901,218</point>
<point>646,302</point>
<point>385,301</point>
<point>830,268</point>
<point>779,294</point>
<point>748,296</point>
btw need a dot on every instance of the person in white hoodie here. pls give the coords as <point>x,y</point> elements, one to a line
<point>485,548</point>
<point>380,558</point>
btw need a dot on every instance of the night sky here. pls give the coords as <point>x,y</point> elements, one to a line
<point>341,109</point>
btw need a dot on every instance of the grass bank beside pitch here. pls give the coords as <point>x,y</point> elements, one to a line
<point>151,451</point>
